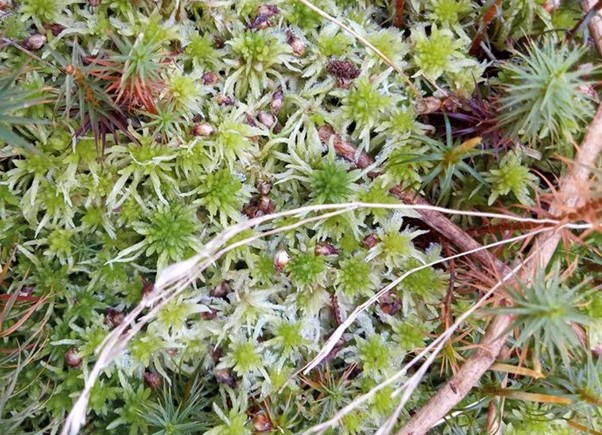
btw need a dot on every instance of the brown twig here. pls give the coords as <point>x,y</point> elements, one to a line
<point>435,220</point>
<point>491,344</point>
<point>398,20</point>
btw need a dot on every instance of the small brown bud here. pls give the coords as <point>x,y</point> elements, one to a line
<point>152,380</point>
<point>261,422</point>
<point>264,187</point>
<point>72,358</point>
<point>225,377</point>
<point>147,287</point>
<point>3,4</point>
<point>216,354</point>
<point>224,100</point>
<point>219,42</point>
<point>202,130</point>
<point>113,318</point>
<point>27,292</point>
<point>277,101</point>
<point>427,105</point>
<point>265,205</point>
<point>268,10</point>
<point>250,210</point>
<point>94,3</point>
<point>325,250</point>
<point>55,28</point>
<point>343,69</point>
<point>266,118</point>
<point>295,43</point>
<point>281,259</point>
<point>370,241</point>
<point>390,303</point>
<point>208,315</point>
<point>172,351</point>
<point>260,22</point>
<point>210,78</point>
<point>249,120</point>
<point>221,290</point>
<point>34,42</point>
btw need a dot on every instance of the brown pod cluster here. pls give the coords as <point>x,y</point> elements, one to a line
<point>262,204</point>
<point>344,71</point>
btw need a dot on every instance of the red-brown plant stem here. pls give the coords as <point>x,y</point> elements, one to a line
<point>469,374</point>
<point>398,20</point>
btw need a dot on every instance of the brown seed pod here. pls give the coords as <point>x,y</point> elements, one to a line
<point>55,28</point>
<point>3,4</point>
<point>203,129</point>
<point>261,422</point>
<point>113,318</point>
<point>345,71</point>
<point>208,315</point>
<point>221,290</point>
<point>370,241</point>
<point>210,78</point>
<point>224,376</point>
<point>265,205</point>
<point>297,45</point>
<point>264,187</point>
<point>147,287</point>
<point>34,42</point>
<point>268,10</point>
<point>267,119</point>
<point>72,358</point>
<point>390,303</point>
<point>281,259</point>
<point>94,3</point>
<point>152,380</point>
<point>325,250</point>
<point>224,100</point>
<point>260,22</point>
<point>277,101</point>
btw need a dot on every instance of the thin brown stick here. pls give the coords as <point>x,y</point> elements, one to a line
<point>434,219</point>
<point>469,374</point>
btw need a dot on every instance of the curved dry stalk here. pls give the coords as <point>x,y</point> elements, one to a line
<point>545,245</point>
<point>434,347</point>
<point>174,279</point>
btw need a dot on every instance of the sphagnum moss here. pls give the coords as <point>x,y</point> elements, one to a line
<point>166,124</point>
